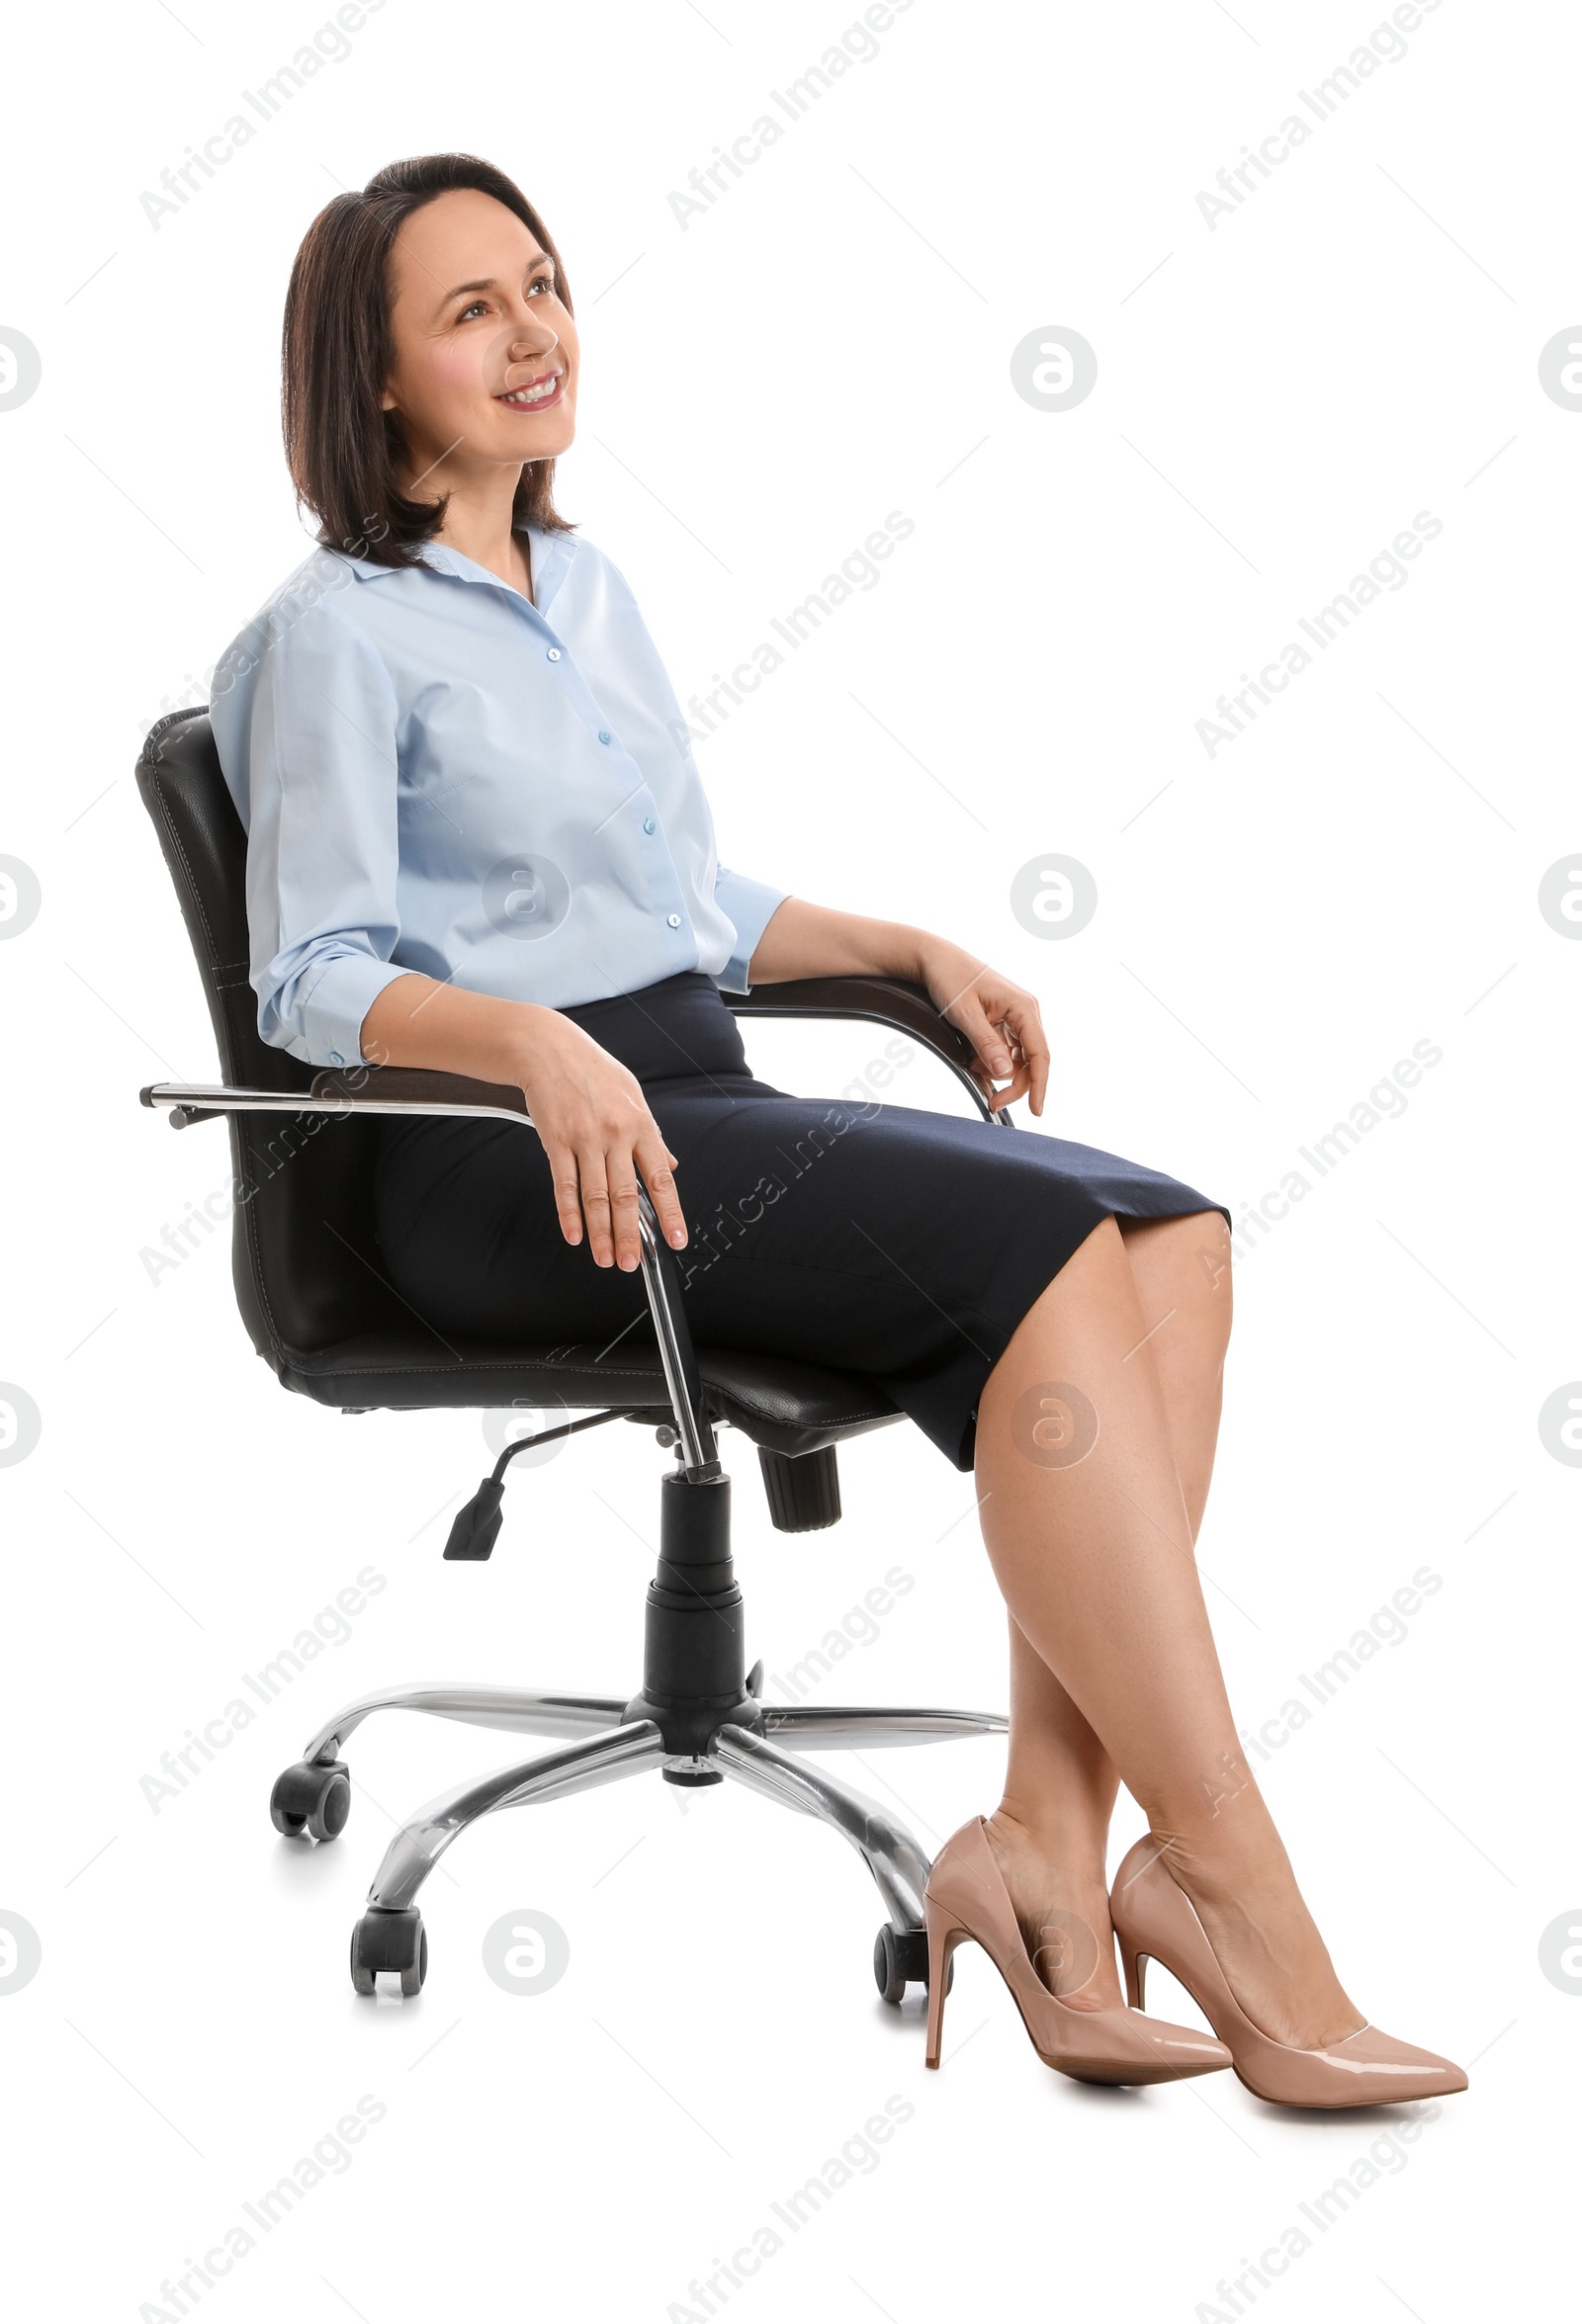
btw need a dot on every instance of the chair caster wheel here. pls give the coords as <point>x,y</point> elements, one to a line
<point>901,1958</point>
<point>312,1797</point>
<point>389,1945</point>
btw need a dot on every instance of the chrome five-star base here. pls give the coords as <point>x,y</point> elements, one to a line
<point>758,1747</point>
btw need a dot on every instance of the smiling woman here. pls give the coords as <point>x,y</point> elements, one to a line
<point>477,841</point>
<point>481,371</point>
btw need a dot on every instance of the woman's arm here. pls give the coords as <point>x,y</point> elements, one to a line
<point>998,1018</point>
<point>589,1112</point>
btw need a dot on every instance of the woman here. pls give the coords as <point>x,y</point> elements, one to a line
<point>477,841</point>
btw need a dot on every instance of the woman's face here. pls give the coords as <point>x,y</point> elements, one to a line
<point>486,366</point>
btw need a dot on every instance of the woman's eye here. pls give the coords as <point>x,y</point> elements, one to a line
<point>481,305</point>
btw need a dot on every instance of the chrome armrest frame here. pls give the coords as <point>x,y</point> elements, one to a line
<point>202,1101</point>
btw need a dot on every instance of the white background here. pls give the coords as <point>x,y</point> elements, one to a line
<point>1358,342</point>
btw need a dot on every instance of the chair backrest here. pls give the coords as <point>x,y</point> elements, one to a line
<point>304,1258</point>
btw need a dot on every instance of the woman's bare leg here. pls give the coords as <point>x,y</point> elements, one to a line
<point>1090,1530</point>
<point>1051,1828</point>
<point>1181,1269</point>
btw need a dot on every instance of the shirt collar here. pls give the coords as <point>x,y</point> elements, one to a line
<point>551,554</point>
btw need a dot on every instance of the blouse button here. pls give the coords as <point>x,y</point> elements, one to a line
<point>603,737</point>
<point>335,1058</point>
<point>553,654</point>
<point>674,919</point>
<point>649,823</point>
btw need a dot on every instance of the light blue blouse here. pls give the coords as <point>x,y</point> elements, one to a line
<point>437,775</point>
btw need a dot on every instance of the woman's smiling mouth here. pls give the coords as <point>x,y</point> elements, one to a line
<point>537,395</point>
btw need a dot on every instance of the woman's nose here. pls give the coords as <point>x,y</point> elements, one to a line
<point>526,342</point>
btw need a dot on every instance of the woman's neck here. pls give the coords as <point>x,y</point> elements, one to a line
<point>478,524</point>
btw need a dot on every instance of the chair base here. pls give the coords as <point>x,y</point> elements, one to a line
<point>612,1737</point>
<point>698,1718</point>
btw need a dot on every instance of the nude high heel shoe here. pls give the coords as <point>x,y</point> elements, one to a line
<point>1156,1920</point>
<point>966,1898</point>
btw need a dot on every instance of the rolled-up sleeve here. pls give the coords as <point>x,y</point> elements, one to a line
<point>304,715</point>
<point>750,906</point>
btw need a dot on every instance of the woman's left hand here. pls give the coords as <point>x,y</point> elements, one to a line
<point>998,1018</point>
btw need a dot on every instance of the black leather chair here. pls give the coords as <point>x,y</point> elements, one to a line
<point>313,1293</point>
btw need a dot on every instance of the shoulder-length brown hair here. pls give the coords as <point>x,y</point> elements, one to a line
<point>343,450</point>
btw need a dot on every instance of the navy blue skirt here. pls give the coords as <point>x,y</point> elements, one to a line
<point>873,1239</point>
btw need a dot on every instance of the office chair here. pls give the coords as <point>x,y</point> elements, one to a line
<point>313,1293</point>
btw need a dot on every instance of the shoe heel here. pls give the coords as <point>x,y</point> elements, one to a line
<point>944,1934</point>
<point>1134,1967</point>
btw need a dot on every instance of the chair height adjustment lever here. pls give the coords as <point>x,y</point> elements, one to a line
<point>478,1523</point>
<point>477,1526</point>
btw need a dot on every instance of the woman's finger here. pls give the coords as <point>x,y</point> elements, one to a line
<point>620,1178</point>
<point>1032,1043</point>
<point>969,1016</point>
<point>1014,1089</point>
<point>1036,1045</point>
<point>989,1040</point>
<point>595,1195</point>
<point>1007,1034</point>
<point>656,1163</point>
<point>563,1179</point>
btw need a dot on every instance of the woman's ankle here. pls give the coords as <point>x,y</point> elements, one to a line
<point>1054,1876</point>
<point>1075,1843</point>
<point>1235,1852</point>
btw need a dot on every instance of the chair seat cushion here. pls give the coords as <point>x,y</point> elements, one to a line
<point>791,1407</point>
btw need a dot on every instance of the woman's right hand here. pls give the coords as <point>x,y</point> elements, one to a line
<point>589,1112</point>
<point>600,1138</point>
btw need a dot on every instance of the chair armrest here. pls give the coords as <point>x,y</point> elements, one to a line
<point>880,1001</point>
<point>414,1090</point>
<point>417,1086</point>
<point>372,1089</point>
